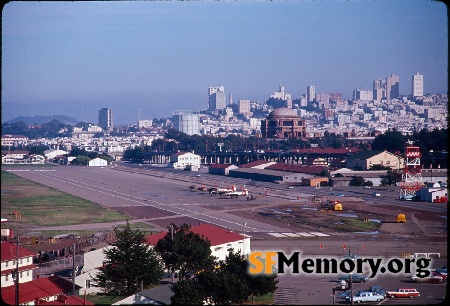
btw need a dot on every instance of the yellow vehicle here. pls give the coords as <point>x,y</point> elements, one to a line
<point>401,218</point>
<point>337,206</point>
<point>333,205</point>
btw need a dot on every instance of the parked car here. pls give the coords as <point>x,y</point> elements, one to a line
<point>443,272</point>
<point>340,194</point>
<point>403,293</point>
<point>352,256</point>
<point>376,194</point>
<point>378,289</point>
<point>343,294</point>
<point>365,296</point>
<point>433,278</point>
<point>356,278</point>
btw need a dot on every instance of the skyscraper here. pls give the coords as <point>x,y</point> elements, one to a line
<point>217,99</point>
<point>310,93</point>
<point>379,89</point>
<point>392,87</point>
<point>105,119</point>
<point>417,85</point>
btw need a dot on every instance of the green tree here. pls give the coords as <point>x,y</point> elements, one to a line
<point>236,264</point>
<point>129,263</point>
<point>187,292</point>
<point>357,181</point>
<point>183,250</point>
<point>391,140</point>
<point>393,177</point>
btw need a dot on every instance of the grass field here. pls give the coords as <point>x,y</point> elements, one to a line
<point>40,205</point>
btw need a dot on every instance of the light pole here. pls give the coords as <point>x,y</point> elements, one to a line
<point>171,234</point>
<point>243,245</point>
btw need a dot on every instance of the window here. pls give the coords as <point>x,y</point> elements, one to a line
<point>28,273</point>
<point>6,263</point>
<point>88,283</point>
<point>6,277</point>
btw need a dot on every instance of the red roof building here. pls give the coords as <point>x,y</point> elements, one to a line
<point>221,239</point>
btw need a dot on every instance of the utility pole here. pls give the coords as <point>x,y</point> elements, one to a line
<point>17,272</point>
<point>171,233</point>
<point>73,270</point>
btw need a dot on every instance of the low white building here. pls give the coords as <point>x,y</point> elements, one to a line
<point>181,160</point>
<point>98,162</point>
<point>50,154</point>
<point>92,261</point>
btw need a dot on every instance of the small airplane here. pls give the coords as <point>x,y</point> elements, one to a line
<point>222,191</point>
<point>201,188</point>
<point>235,194</point>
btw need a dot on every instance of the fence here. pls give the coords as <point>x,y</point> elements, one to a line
<point>430,231</point>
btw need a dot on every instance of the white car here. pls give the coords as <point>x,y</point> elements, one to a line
<point>365,296</point>
<point>375,194</point>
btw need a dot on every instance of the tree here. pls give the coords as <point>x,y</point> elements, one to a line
<point>187,292</point>
<point>231,282</point>
<point>129,263</point>
<point>357,181</point>
<point>393,176</point>
<point>236,264</point>
<point>185,251</point>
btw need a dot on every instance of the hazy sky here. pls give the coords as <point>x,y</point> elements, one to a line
<point>164,55</point>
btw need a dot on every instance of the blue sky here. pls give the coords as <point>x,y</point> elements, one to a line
<point>163,55</point>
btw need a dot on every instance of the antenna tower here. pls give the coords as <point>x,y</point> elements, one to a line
<point>412,173</point>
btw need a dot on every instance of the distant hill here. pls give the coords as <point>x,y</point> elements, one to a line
<point>83,110</point>
<point>30,120</point>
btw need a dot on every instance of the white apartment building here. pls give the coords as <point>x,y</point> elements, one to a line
<point>417,85</point>
<point>310,93</point>
<point>244,107</point>
<point>364,95</point>
<point>282,95</point>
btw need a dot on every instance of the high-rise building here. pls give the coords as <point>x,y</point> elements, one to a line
<point>217,99</point>
<point>417,85</point>
<point>310,93</point>
<point>105,119</point>
<point>186,122</point>
<point>364,95</point>
<point>244,107</point>
<point>379,89</point>
<point>392,87</point>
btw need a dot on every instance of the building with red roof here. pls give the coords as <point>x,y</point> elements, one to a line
<point>15,257</point>
<point>221,239</point>
<point>9,254</point>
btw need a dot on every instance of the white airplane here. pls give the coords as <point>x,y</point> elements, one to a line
<point>237,193</point>
<point>221,191</point>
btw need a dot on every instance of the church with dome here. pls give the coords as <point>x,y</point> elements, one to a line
<point>283,123</point>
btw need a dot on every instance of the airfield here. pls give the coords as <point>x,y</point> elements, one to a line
<point>278,219</point>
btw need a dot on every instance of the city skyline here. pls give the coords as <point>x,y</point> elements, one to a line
<point>162,56</point>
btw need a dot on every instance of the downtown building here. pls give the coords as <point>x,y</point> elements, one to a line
<point>105,119</point>
<point>417,85</point>
<point>216,98</point>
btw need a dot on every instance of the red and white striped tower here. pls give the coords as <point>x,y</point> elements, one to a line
<point>412,173</point>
